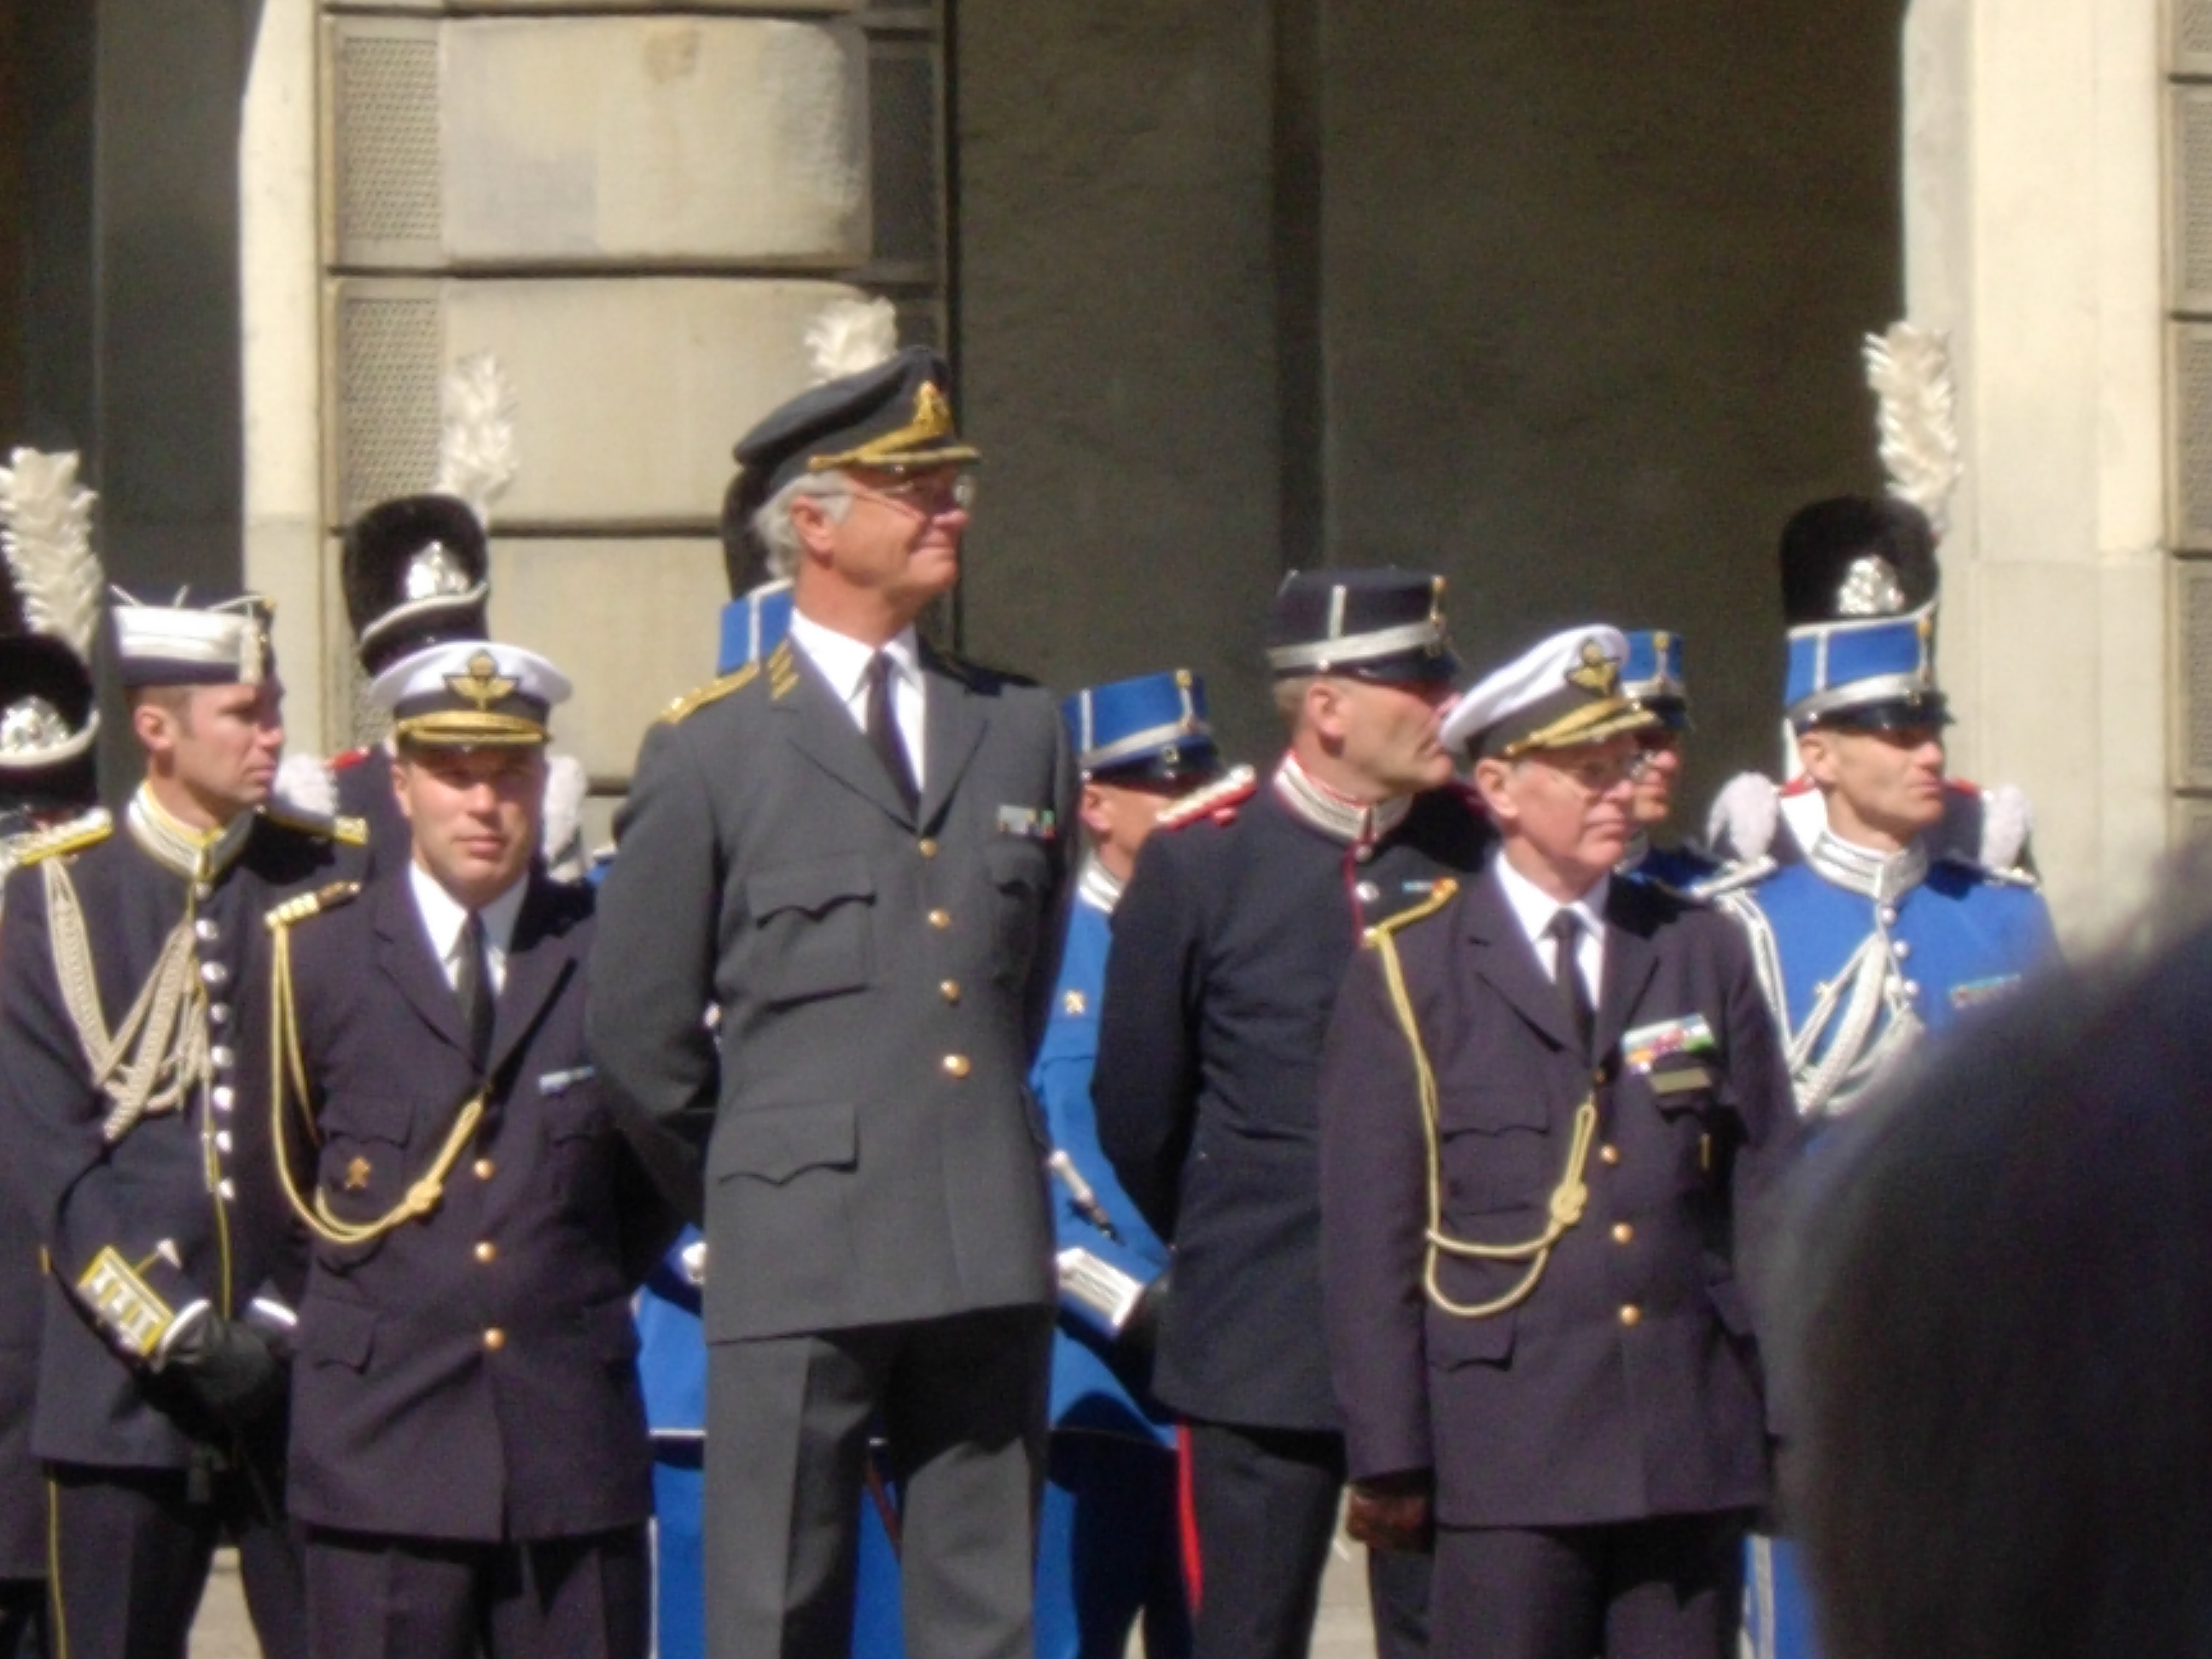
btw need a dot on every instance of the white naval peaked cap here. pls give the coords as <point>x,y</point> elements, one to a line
<point>468,692</point>
<point>1562,692</point>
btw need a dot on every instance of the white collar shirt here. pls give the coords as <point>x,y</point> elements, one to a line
<point>444,916</point>
<point>844,662</point>
<point>1534,909</point>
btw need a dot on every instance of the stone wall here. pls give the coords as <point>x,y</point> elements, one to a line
<point>1589,281</point>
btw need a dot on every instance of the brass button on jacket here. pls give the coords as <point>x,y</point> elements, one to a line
<point>487,1251</point>
<point>1632,1315</point>
<point>955,1066</point>
<point>495,1339</point>
<point>940,919</point>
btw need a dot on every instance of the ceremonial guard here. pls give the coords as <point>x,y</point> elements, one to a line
<point>1229,945</point>
<point>850,851</point>
<point>133,1071</point>
<point>1882,900</point>
<point>416,574</point>
<point>1551,1101</point>
<point>469,1453</point>
<point>49,609</point>
<point>1110,1547</point>
<point>1651,678</point>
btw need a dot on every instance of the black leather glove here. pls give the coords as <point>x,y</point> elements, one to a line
<point>231,1367</point>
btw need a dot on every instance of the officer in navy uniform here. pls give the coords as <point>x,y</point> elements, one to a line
<point>1651,678</point>
<point>418,574</point>
<point>852,850</point>
<point>48,723</point>
<point>1551,1105</point>
<point>468,1454</point>
<point>1229,945</point>
<point>1109,1547</point>
<point>1884,902</point>
<point>133,1072</point>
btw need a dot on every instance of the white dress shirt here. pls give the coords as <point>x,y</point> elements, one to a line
<point>444,916</point>
<point>844,662</point>
<point>1534,909</point>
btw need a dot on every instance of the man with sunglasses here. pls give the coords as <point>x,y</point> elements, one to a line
<point>1884,902</point>
<point>1551,1103</point>
<point>850,851</point>
<point>1229,945</point>
<point>1651,678</point>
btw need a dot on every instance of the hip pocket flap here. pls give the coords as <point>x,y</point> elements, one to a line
<point>812,887</point>
<point>338,1333</point>
<point>781,1142</point>
<point>1452,1340</point>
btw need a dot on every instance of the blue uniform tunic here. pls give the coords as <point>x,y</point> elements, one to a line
<point>1860,955</point>
<point>1107,1548</point>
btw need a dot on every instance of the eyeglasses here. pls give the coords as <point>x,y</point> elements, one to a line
<point>1595,775</point>
<point>926,495</point>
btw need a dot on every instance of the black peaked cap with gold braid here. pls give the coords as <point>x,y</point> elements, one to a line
<point>896,415</point>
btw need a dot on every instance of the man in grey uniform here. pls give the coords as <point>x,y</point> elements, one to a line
<point>852,850</point>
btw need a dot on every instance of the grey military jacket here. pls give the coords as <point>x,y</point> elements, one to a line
<point>873,1154</point>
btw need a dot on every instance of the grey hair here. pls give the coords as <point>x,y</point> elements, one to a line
<point>772,524</point>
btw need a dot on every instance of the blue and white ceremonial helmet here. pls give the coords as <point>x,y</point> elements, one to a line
<point>1560,693</point>
<point>753,624</point>
<point>469,694</point>
<point>1152,729</point>
<point>1651,676</point>
<point>1859,585</point>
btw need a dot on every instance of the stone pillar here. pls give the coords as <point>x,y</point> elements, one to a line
<point>635,208</point>
<point>2033,182</point>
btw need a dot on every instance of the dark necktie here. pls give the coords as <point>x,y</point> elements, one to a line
<point>1566,931</point>
<point>472,985</point>
<point>883,730</point>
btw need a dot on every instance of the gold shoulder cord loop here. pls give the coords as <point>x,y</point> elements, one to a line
<point>288,1066</point>
<point>1568,1199</point>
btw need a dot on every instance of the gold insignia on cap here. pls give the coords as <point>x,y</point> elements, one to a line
<point>1597,673</point>
<point>357,1176</point>
<point>484,684</point>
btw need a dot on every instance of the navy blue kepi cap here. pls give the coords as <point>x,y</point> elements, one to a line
<point>1374,625</point>
<point>897,417</point>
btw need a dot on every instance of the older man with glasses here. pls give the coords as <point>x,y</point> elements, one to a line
<point>1551,1102</point>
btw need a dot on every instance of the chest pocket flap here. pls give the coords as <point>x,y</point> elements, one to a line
<point>811,926</point>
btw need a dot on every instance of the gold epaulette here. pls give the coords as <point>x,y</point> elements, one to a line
<point>352,832</point>
<point>74,836</point>
<point>713,691</point>
<point>1439,896</point>
<point>1224,794</point>
<point>303,905</point>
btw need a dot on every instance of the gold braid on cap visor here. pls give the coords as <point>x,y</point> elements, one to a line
<point>1592,723</point>
<point>454,726</point>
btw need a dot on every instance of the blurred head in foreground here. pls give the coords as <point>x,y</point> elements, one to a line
<point>2001,1352</point>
